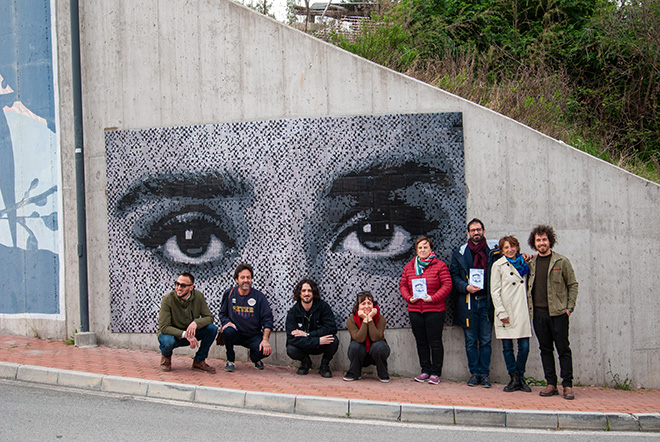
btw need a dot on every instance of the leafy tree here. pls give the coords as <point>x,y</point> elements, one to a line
<point>585,71</point>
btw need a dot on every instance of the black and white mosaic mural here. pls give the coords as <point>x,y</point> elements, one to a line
<point>338,199</point>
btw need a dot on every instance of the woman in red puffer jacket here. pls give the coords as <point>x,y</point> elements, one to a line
<point>425,283</point>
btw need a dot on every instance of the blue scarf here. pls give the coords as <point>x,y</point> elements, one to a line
<point>520,264</point>
<point>421,264</point>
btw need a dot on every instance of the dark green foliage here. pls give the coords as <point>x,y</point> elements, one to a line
<point>585,71</point>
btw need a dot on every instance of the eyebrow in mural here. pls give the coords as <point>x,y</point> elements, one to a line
<point>338,199</point>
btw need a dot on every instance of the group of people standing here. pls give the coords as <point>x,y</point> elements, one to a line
<point>492,282</point>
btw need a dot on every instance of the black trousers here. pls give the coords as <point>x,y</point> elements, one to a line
<point>328,351</point>
<point>552,331</point>
<point>359,358</point>
<point>427,329</point>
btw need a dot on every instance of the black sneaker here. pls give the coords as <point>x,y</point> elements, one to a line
<point>485,381</point>
<point>305,365</point>
<point>259,365</point>
<point>325,371</point>
<point>474,381</point>
<point>230,366</point>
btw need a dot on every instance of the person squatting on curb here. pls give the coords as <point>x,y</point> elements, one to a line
<point>185,319</point>
<point>368,345</point>
<point>246,319</point>
<point>311,328</point>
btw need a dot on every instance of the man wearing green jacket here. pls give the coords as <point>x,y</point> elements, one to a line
<point>554,291</point>
<point>185,319</point>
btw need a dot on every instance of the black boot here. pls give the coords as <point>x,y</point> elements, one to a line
<point>511,386</point>
<point>523,385</point>
<point>325,371</point>
<point>305,365</point>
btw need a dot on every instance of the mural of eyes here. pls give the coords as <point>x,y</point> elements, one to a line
<point>189,237</point>
<point>382,233</point>
<point>367,237</point>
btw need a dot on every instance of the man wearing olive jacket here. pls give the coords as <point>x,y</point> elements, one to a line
<point>554,291</point>
<point>185,319</point>
<point>311,329</point>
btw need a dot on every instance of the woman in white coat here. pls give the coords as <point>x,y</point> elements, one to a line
<point>513,310</point>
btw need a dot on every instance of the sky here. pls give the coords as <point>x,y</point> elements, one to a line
<point>279,9</point>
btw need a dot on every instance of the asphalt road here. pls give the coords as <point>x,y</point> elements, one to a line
<point>33,412</point>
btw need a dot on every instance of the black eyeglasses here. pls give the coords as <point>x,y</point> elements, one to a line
<point>182,285</point>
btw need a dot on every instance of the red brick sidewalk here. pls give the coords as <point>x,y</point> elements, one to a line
<point>143,364</point>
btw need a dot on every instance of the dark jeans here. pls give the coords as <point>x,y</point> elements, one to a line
<point>477,339</point>
<point>205,336</point>
<point>554,330</point>
<point>427,329</point>
<point>328,351</point>
<point>359,358</point>
<point>515,365</point>
<point>232,337</point>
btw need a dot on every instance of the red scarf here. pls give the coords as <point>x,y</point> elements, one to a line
<point>358,321</point>
<point>480,261</point>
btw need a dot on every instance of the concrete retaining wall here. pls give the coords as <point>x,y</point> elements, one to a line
<point>156,64</point>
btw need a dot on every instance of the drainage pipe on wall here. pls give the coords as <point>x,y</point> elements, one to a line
<point>80,167</point>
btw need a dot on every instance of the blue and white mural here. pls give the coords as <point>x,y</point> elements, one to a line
<point>29,160</point>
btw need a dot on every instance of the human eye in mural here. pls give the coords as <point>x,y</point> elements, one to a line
<point>338,199</point>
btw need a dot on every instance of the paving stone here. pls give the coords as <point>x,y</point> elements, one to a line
<point>581,420</point>
<point>428,414</point>
<point>545,420</point>
<point>170,390</point>
<point>284,403</point>
<point>359,409</point>
<point>648,421</point>
<point>220,396</point>
<point>321,406</point>
<point>118,384</point>
<point>33,373</point>
<point>77,379</point>
<point>622,422</point>
<point>8,370</point>
<point>483,417</point>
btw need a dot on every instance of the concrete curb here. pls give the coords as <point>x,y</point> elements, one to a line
<point>336,407</point>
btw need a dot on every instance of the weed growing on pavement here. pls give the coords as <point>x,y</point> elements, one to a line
<point>72,339</point>
<point>535,382</point>
<point>619,384</point>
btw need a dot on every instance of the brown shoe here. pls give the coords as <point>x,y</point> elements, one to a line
<point>165,363</point>
<point>550,390</point>
<point>203,366</point>
<point>568,393</point>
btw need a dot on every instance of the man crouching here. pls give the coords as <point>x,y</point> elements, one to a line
<point>175,329</point>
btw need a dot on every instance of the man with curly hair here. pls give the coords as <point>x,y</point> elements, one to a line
<point>554,291</point>
<point>311,329</point>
